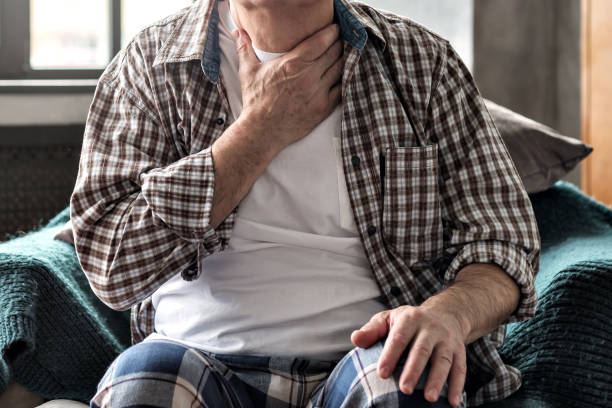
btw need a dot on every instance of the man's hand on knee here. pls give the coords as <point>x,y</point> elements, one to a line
<point>432,335</point>
<point>482,297</point>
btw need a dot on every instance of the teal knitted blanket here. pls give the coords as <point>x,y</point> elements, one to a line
<point>565,351</point>
<point>56,337</point>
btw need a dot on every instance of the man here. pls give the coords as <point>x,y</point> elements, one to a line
<point>261,178</point>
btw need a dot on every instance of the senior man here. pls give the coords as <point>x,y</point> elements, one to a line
<point>305,203</point>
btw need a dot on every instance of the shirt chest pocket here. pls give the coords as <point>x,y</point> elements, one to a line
<point>412,222</point>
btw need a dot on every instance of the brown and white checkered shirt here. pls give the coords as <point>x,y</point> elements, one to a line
<point>431,184</point>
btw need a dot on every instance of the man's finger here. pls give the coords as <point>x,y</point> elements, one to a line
<point>329,57</point>
<point>244,48</point>
<point>333,73</point>
<point>419,355</point>
<point>456,381</point>
<point>441,362</point>
<point>377,327</point>
<point>314,46</point>
<point>400,336</point>
<point>335,97</point>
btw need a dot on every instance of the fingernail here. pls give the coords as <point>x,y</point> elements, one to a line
<point>384,372</point>
<point>432,395</point>
<point>236,34</point>
<point>407,388</point>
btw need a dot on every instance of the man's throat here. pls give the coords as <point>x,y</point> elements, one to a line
<point>276,29</point>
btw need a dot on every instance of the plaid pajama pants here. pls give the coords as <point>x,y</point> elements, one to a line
<point>166,374</point>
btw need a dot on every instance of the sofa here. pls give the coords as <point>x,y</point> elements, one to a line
<point>57,338</point>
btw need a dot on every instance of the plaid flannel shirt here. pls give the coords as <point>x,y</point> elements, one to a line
<point>430,181</point>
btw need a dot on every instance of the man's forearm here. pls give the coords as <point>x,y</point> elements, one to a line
<point>482,297</point>
<point>240,156</point>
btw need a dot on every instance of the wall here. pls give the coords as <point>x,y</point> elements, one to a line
<point>527,57</point>
<point>47,109</point>
<point>597,97</point>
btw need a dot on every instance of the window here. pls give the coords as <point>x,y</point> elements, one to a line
<point>75,39</point>
<point>70,39</point>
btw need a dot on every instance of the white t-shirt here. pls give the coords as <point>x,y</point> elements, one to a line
<point>295,280</point>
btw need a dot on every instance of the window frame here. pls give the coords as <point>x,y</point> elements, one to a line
<point>15,54</point>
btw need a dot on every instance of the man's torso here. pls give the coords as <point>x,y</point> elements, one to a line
<point>294,280</point>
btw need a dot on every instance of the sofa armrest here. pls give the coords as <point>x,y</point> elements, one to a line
<point>55,335</point>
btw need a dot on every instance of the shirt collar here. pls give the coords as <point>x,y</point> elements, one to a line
<point>196,35</point>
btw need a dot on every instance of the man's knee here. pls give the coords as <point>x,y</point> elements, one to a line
<point>151,373</point>
<point>157,357</point>
<point>355,382</point>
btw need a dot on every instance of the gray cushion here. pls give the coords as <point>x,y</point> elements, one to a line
<point>541,155</point>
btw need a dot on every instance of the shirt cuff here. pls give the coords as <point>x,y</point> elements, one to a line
<point>180,196</point>
<point>511,260</point>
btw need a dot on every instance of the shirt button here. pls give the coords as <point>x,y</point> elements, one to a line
<point>220,121</point>
<point>395,291</point>
<point>355,160</point>
<point>190,272</point>
<point>371,230</point>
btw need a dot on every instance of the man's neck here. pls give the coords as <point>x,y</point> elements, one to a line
<point>281,25</point>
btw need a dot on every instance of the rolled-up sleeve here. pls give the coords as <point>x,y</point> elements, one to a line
<point>487,215</point>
